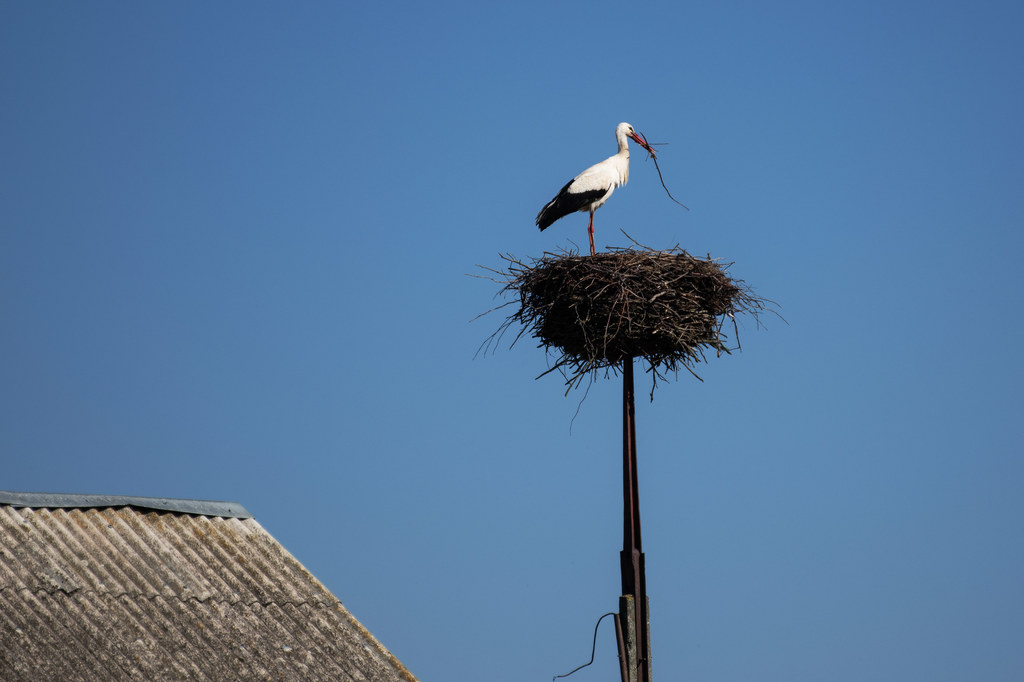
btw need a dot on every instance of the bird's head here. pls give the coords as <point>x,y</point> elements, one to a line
<point>627,130</point>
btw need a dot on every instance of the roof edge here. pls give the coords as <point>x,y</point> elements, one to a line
<point>74,501</point>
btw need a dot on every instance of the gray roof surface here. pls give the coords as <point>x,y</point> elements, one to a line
<point>127,593</point>
<point>71,501</point>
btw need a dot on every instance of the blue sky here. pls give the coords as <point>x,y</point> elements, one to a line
<point>236,250</point>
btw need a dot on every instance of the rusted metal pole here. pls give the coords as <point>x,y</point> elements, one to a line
<point>623,655</point>
<point>631,559</point>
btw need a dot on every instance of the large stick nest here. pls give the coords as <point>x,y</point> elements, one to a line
<point>594,312</point>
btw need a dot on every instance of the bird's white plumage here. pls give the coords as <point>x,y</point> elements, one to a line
<point>589,190</point>
<point>607,175</point>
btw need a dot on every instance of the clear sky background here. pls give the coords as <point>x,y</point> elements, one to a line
<point>237,242</point>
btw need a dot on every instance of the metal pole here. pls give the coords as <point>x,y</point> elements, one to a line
<point>631,559</point>
<point>623,654</point>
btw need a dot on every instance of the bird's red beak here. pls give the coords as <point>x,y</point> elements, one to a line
<point>642,141</point>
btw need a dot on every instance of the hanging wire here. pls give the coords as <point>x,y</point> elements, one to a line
<point>593,649</point>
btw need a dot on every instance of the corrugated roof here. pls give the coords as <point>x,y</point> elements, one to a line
<point>122,593</point>
<point>70,501</point>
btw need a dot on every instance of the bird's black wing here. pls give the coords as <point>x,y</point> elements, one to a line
<point>566,202</point>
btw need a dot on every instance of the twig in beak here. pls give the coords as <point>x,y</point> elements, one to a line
<point>655,157</point>
<point>663,183</point>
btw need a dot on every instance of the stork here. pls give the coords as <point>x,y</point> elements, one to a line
<point>590,189</point>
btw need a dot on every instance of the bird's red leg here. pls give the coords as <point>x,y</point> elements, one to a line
<point>590,232</point>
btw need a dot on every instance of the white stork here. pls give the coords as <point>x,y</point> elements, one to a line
<point>591,188</point>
